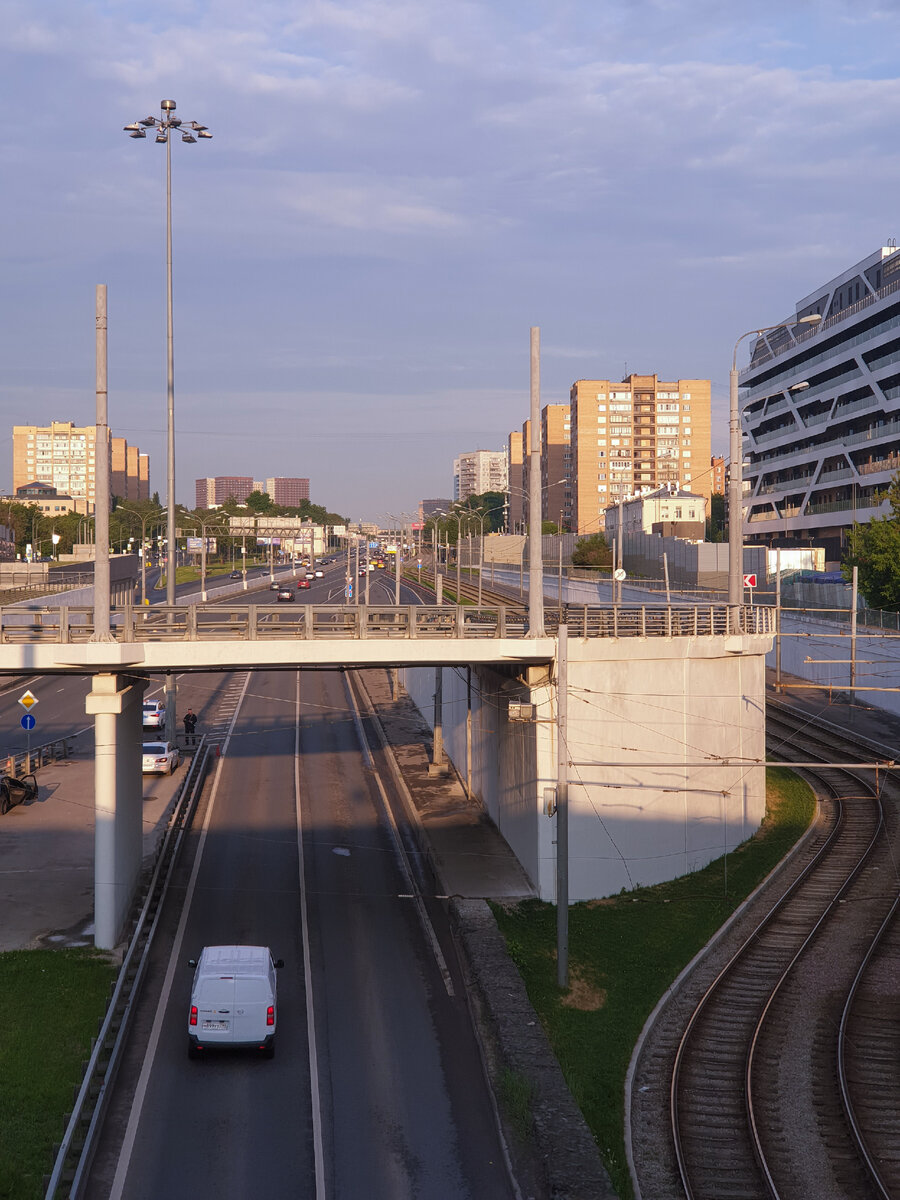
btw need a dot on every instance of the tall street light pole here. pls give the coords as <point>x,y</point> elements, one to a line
<point>535,542</point>
<point>736,473</point>
<point>166,126</point>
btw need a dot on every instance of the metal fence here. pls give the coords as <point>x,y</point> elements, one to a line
<point>222,622</point>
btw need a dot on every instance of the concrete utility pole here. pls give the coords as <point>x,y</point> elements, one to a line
<point>562,807</point>
<point>535,548</point>
<point>101,482</point>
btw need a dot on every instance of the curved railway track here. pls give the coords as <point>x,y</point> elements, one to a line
<point>782,1077</point>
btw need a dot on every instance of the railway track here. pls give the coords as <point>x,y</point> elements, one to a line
<point>779,1054</point>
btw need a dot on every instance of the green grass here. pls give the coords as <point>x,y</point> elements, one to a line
<point>50,1004</point>
<point>625,951</point>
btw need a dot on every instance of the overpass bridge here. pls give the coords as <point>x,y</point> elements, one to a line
<point>702,664</point>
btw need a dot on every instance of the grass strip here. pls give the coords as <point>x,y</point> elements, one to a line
<point>51,1002</point>
<point>625,951</point>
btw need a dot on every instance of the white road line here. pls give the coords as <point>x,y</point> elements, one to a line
<point>140,1094</point>
<point>318,1147</point>
<point>416,895</point>
<point>26,683</point>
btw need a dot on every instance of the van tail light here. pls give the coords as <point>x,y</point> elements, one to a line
<point>270,1015</point>
<point>193,1014</point>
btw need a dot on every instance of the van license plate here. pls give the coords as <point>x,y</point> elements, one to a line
<point>215,1025</point>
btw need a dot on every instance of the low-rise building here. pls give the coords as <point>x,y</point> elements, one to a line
<point>668,511</point>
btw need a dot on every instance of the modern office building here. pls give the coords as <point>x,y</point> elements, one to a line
<point>479,471</point>
<point>820,411</point>
<point>62,455</point>
<point>287,490</point>
<point>429,508</point>
<point>639,433</point>
<point>556,466</point>
<point>212,491</point>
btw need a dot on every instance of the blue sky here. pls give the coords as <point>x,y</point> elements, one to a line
<point>396,191</point>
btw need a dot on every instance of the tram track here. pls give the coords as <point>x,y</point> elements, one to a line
<point>780,1044</point>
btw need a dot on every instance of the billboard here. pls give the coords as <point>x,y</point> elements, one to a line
<point>195,545</point>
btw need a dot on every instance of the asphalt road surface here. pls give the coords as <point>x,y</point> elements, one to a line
<point>376,1089</point>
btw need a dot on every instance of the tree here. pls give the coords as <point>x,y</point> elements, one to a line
<point>874,549</point>
<point>715,522</point>
<point>261,502</point>
<point>549,527</point>
<point>592,551</point>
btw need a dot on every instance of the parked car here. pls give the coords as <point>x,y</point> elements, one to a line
<point>285,594</point>
<point>159,758</point>
<point>16,791</point>
<point>154,714</point>
<point>302,583</point>
<point>233,1000</point>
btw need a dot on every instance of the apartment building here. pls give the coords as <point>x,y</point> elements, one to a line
<point>287,490</point>
<point>516,480</point>
<point>820,411</point>
<point>556,466</point>
<point>62,455</point>
<point>717,476</point>
<point>479,471</point>
<point>214,490</point>
<point>641,432</point>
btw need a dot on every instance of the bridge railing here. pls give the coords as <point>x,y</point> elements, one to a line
<point>265,622</point>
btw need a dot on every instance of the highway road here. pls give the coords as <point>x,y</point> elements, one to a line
<point>376,1088</point>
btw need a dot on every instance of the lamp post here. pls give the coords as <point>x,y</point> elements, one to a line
<point>736,475</point>
<point>166,126</point>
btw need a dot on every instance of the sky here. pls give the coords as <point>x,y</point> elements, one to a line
<point>396,191</point>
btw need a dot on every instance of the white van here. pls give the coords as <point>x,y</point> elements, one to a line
<point>233,1000</point>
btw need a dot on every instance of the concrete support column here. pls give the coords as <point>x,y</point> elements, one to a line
<point>118,801</point>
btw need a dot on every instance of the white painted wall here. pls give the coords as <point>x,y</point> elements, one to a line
<point>669,702</point>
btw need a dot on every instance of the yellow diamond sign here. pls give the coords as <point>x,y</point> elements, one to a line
<point>28,700</point>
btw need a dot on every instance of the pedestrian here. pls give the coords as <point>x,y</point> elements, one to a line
<point>190,725</point>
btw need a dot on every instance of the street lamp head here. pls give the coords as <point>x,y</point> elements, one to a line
<point>148,121</point>
<point>140,133</point>
<point>162,137</point>
<point>187,137</point>
<point>812,319</point>
<point>203,133</point>
<point>129,128</point>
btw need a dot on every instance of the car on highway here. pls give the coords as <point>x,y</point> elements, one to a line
<point>159,758</point>
<point>235,575</point>
<point>285,593</point>
<point>154,714</point>
<point>310,574</point>
<point>320,574</point>
<point>274,585</point>
<point>302,583</point>
<point>14,790</point>
<point>233,1000</point>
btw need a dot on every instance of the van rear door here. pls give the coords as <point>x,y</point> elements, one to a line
<point>252,997</point>
<point>215,1009</point>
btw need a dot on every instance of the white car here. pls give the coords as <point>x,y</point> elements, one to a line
<point>233,1000</point>
<point>320,574</point>
<point>159,758</point>
<point>154,714</point>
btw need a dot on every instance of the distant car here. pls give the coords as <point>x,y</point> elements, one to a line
<point>154,714</point>
<point>16,791</point>
<point>159,758</point>
<point>285,594</point>
<point>235,575</point>
<point>310,574</point>
<point>320,574</point>
<point>302,583</point>
<point>274,585</point>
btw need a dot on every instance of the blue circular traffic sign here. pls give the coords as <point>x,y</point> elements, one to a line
<point>28,721</point>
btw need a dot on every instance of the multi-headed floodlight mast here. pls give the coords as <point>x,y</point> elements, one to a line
<point>165,126</point>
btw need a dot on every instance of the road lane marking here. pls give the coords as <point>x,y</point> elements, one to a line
<point>140,1093</point>
<point>318,1144</point>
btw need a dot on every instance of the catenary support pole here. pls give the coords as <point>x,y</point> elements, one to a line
<point>778,621</point>
<point>562,808</point>
<point>854,600</point>
<point>101,480</point>
<point>535,547</point>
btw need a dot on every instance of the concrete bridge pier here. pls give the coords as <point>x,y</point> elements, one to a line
<point>115,703</point>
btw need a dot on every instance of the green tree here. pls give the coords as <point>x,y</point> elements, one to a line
<point>592,551</point>
<point>874,548</point>
<point>715,522</point>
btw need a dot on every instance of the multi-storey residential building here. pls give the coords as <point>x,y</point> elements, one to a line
<point>216,490</point>
<point>556,465</point>
<point>821,413</point>
<point>479,471</point>
<point>63,455</point>
<point>717,476</point>
<point>516,480</point>
<point>640,433</point>
<point>287,490</point>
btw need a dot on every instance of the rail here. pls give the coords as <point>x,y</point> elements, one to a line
<point>219,622</point>
<point>23,762</point>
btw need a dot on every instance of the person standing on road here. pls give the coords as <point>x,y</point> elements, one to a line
<point>190,726</point>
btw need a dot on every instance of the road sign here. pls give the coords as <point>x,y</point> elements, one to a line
<point>619,575</point>
<point>28,721</point>
<point>750,581</point>
<point>28,700</point>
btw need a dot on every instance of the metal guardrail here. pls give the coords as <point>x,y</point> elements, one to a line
<point>75,1153</point>
<point>269,622</point>
<point>23,762</point>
